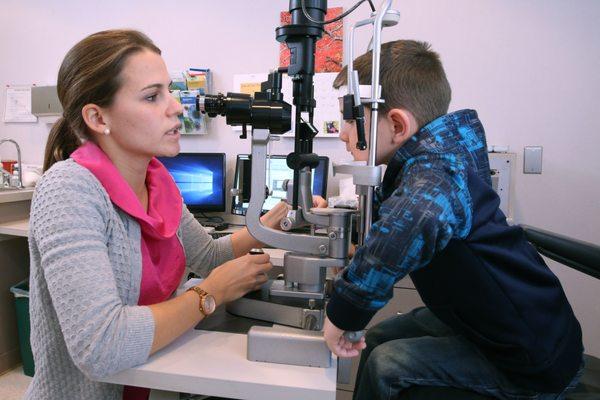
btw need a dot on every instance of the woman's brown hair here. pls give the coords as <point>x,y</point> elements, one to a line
<point>90,73</point>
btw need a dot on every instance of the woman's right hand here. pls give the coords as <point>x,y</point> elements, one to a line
<point>237,277</point>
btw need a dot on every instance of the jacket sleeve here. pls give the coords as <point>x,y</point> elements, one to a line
<point>202,252</point>
<point>69,229</point>
<point>431,205</point>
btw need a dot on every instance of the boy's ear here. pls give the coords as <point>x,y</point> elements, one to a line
<point>403,125</point>
<point>94,118</point>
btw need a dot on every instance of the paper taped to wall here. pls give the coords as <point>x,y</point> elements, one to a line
<point>18,104</point>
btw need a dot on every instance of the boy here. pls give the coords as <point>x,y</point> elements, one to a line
<point>496,320</point>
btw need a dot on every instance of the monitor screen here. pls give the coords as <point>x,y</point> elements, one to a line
<point>277,172</point>
<point>200,178</point>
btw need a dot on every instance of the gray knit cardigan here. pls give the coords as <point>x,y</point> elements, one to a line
<point>86,269</point>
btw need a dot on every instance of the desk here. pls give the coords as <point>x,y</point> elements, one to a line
<point>215,364</point>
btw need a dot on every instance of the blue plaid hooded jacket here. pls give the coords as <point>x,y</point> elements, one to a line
<point>437,218</point>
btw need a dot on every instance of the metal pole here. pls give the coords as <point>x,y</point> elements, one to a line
<point>368,206</point>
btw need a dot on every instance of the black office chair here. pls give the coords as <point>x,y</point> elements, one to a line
<point>582,256</point>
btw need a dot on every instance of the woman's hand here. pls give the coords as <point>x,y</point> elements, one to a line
<point>272,218</point>
<point>242,241</point>
<point>319,202</point>
<point>237,277</point>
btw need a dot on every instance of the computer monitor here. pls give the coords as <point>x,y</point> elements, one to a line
<point>200,178</point>
<point>277,172</point>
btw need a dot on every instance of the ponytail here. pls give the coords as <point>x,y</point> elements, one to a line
<point>62,141</point>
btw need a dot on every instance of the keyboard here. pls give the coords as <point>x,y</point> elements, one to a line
<point>216,235</point>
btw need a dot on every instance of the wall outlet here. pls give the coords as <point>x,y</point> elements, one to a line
<point>532,160</point>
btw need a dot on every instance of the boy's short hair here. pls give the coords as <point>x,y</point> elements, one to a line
<point>411,76</point>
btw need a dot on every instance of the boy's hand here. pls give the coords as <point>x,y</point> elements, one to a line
<point>351,250</point>
<point>340,346</point>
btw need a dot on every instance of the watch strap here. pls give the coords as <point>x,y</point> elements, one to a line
<point>202,294</point>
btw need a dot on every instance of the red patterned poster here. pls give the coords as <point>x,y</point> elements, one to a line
<point>328,57</point>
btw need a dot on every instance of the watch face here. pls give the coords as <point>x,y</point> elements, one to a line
<point>209,304</point>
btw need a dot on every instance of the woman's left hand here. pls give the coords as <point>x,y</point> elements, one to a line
<point>319,202</point>
<point>272,218</point>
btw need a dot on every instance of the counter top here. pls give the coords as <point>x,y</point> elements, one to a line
<point>19,227</point>
<point>12,195</point>
<point>14,211</point>
<point>215,364</point>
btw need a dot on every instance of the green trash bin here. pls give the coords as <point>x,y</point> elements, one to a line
<point>21,292</point>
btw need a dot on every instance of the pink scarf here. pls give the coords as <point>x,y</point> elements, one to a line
<point>163,259</point>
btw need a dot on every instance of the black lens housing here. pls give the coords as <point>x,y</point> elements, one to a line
<point>266,110</point>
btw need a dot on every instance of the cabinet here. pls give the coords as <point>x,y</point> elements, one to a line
<point>14,267</point>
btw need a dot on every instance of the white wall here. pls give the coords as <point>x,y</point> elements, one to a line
<point>530,68</point>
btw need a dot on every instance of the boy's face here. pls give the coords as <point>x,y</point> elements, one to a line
<point>388,141</point>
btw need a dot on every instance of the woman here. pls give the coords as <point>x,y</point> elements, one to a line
<point>109,235</point>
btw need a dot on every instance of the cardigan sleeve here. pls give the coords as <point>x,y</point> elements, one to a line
<point>202,252</point>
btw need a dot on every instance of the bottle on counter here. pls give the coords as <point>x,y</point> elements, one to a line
<point>14,178</point>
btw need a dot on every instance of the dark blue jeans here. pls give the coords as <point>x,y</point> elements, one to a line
<point>417,349</point>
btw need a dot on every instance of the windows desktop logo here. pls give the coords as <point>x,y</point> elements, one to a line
<point>195,184</point>
<point>199,178</point>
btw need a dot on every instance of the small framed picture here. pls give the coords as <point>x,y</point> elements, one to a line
<point>331,127</point>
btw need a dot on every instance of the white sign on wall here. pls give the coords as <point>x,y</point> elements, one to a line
<point>18,104</point>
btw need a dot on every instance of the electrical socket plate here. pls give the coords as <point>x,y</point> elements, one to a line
<point>532,160</point>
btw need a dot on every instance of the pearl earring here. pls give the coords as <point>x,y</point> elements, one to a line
<point>107,131</point>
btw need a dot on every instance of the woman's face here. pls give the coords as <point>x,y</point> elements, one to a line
<point>143,118</point>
